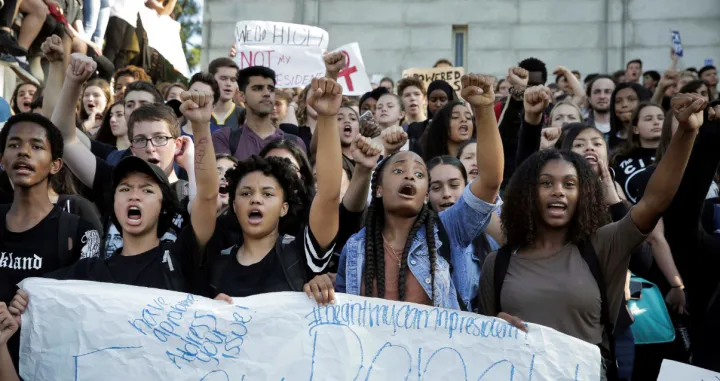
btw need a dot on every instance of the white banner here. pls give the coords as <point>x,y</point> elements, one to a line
<point>674,371</point>
<point>353,77</point>
<point>164,36</point>
<point>293,51</point>
<point>83,331</point>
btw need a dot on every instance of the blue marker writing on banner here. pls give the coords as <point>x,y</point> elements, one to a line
<point>677,43</point>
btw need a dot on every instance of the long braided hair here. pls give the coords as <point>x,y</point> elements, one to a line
<point>375,249</point>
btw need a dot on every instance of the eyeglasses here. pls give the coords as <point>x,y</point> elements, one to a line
<point>156,141</point>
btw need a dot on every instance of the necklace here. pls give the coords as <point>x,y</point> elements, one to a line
<point>392,251</point>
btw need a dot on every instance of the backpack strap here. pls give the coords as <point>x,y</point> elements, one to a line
<point>291,261</point>
<point>235,134</point>
<point>174,280</point>
<point>588,253</point>
<point>502,262</point>
<point>68,226</point>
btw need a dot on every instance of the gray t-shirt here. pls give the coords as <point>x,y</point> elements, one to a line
<point>560,291</point>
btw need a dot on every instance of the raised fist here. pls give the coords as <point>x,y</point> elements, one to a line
<point>477,90</point>
<point>81,68</point>
<point>518,77</point>
<point>366,152</point>
<point>688,110</point>
<point>197,106</point>
<point>334,62</point>
<point>325,96</point>
<point>549,136</point>
<point>393,139</point>
<point>669,78</point>
<point>53,48</point>
<point>536,100</point>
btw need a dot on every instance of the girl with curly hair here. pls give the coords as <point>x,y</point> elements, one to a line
<point>554,215</point>
<point>268,199</point>
<point>395,256</point>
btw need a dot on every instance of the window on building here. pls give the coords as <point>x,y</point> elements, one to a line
<point>460,34</point>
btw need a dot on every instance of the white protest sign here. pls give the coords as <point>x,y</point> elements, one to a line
<point>163,35</point>
<point>353,77</point>
<point>293,51</point>
<point>674,371</point>
<point>81,331</point>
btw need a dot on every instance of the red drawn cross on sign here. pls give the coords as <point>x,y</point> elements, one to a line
<point>347,71</point>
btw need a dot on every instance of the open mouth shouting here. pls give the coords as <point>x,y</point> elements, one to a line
<point>591,158</point>
<point>134,215</point>
<point>347,130</point>
<point>223,191</point>
<point>153,160</point>
<point>255,217</point>
<point>464,129</point>
<point>408,190</point>
<point>557,209</point>
<point>474,172</point>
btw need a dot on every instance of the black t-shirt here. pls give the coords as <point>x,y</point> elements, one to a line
<point>226,275</point>
<point>259,278</point>
<point>149,269</point>
<point>34,252</point>
<point>636,185</point>
<point>626,167</point>
<point>102,186</point>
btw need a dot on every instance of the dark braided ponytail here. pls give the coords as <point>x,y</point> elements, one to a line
<point>374,242</point>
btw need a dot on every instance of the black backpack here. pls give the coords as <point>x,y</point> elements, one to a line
<point>67,228</point>
<point>502,262</point>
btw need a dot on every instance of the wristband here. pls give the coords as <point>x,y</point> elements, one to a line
<point>680,286</point>
<point>516,94</point>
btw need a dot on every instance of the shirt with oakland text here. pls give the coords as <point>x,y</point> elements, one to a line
<point>35,252</point>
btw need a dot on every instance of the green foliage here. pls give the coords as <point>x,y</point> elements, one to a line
<point>187,13</point>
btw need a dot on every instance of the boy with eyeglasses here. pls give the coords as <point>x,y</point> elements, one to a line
<point>154,133</point>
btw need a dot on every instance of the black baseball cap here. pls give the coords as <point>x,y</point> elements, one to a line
<point>135,164</point>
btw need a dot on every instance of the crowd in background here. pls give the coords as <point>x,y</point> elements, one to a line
<point>531,197</point>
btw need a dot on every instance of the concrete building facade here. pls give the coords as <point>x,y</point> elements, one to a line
<point>489,35</point>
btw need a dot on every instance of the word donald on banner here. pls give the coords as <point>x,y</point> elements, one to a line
<point>80,331</point>
<point>353,77</point>
<point>293,51</point>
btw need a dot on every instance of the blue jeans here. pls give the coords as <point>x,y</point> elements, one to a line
<point>96,14</point>
<point>625,353</point>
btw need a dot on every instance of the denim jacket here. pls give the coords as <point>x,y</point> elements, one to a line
<point>464,221</point>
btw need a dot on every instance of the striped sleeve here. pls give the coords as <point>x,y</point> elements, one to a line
<point>317,257</point>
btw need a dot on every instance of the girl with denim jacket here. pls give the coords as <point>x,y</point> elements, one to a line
<point>401,231</point>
